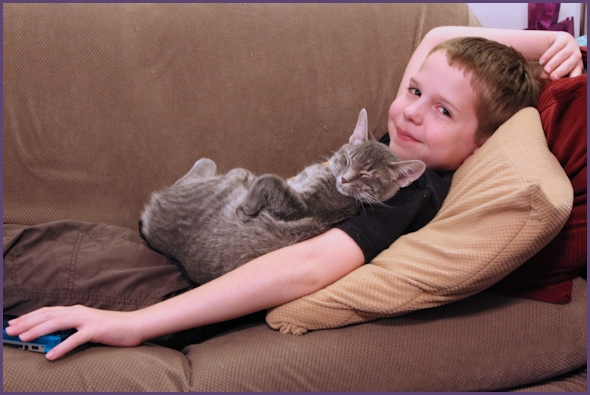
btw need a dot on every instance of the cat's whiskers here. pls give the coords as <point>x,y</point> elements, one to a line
<point>364,211</point>
<point>366,198</point>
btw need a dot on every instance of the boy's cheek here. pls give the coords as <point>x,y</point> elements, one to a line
<point>396,107</point>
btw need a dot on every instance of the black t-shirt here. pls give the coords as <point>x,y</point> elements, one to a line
<point>375,227</point>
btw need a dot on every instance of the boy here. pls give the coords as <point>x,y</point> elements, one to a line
<point>441,115</point>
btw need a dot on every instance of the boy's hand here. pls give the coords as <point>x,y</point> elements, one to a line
<point>563,57</point>
<point>92,325</point>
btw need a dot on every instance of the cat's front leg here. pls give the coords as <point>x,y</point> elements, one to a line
<point>271,193</point>
<point>244,216</point>
<point>257,197</point>
<point>251,206</point>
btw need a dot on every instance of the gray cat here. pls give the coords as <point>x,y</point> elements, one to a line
<point>211,223</point>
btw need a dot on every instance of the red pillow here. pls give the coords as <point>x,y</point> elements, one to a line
<point>548,275</point>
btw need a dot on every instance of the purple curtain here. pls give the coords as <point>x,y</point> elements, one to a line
<point>543,16</point>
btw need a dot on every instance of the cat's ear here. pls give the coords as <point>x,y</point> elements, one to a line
<point>203,168</point>
<point>406,172</point>
<point>361,131</point>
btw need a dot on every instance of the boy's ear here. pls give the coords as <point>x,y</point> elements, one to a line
<point>406,172</point>
<point>361,131</point>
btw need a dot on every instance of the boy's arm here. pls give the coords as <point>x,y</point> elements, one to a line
<point>558,52</point>
<point>270,280</point>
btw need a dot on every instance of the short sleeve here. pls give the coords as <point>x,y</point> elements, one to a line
<point>375,227</point>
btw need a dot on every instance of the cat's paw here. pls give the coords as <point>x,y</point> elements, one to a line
<point>243,215</point>
<point>242,176</point>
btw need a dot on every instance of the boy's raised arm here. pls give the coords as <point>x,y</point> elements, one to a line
<point>558,52</point>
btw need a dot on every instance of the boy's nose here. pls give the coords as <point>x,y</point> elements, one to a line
<point>413,112</point>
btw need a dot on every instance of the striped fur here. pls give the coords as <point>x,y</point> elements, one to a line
<point>211,223</point>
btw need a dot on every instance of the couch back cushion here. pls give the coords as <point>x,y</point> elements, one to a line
<point>548,275</point>
<point>104,103</point>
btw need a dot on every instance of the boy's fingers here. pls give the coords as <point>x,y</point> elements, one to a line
<point>564,64</point>
<point>547,57</point>
<point>19,327</point>
<point>39,330</point>
<point>554,63</point>
<point>34,317</point>
<point>73,341</point>
<point>577,71</point>
<point>41,322</point>
<point>569,68</point>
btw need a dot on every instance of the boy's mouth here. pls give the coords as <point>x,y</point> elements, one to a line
<point>405,136</point>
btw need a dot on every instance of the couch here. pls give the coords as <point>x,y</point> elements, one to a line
<point>105,103</point>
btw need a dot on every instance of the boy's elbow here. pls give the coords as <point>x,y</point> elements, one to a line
<point>325,259</point>
<point>307,268</point>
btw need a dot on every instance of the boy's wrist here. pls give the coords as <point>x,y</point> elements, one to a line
<point>144,324</point>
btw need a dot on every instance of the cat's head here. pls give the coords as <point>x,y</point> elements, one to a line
<point>368,170</point>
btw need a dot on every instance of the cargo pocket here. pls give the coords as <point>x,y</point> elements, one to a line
<point>96,265</point>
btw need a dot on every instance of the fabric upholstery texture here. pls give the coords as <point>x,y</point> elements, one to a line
<point>506,202</point>
<point>457,347</point>
<point>105,103</point>
<point>129,96</point>
<point>575,381</point>
<point>95,368</point>
<point>548,275</point>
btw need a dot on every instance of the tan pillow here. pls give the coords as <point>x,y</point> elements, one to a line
<point>506,202</point>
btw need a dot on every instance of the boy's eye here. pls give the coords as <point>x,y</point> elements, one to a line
<point>415,91</point>
<point>444,111</point>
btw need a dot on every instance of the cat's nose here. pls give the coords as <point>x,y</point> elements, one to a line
<point>343,180</point>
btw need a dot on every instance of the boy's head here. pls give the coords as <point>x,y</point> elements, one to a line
<point>435,119</point>
<point>500,76</point>
<point>465,89</point>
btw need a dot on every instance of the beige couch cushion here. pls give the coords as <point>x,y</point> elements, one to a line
<point>506,202</point>
<point>401,354</point>
<point>93,368</point>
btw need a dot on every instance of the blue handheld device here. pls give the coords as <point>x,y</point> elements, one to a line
<point>42,344</point>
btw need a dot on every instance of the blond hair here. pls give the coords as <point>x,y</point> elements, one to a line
<point>504,82</point>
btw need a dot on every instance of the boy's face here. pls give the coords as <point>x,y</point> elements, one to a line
<point>435,120</point>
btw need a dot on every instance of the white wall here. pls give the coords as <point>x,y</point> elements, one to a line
<point>515,15</point>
